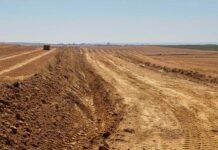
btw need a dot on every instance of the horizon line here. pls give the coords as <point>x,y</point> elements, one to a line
<point>116,43</point>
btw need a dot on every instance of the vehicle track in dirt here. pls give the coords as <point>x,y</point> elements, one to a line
<point>180,114</point>
<point>102,98</point>
<point>9,50</point>
<point>150,63</point>
<point>21,64</point>
<point>20,54</point>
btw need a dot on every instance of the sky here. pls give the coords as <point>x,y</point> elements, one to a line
<point>115,21</point>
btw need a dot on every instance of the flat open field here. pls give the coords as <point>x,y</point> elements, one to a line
<point>109,97</point>
<point>13,50</point>
<point>19,62</point>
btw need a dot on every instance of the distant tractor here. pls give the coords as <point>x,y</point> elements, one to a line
<point>46,47</point>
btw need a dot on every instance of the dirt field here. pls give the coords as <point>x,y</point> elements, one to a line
<point>111,97</point>
<point>22,61</point>
<point>12,50</point>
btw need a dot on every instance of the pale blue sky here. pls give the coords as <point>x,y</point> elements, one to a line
<point>96,21</point>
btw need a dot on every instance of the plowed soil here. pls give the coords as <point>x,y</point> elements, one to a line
<point>114,97</point>
<point>66,106</point>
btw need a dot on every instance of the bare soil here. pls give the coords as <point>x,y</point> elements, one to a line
<point>66,107</point>
<point>164,110</point>
<point>113,97</point>
<point>10,63</point>
<point>10,50</point>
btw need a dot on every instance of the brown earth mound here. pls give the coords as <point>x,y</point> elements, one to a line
<point>66,106</point>
<point>187,73</point>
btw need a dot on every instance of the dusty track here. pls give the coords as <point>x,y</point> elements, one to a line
<point>104,98</point>
<point>17,55</point>
<point>10,50</point>
<point>163,112</point>
<point>25,62</point>
<point>146,62</point>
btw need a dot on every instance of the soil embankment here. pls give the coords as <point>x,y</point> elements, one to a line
<point>114,98</point>
<point>67,106</point>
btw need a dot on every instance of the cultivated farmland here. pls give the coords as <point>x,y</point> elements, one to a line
<point>108,97</point>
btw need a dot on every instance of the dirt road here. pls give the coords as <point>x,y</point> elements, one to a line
<point>113,98</point>
<point>21,64</point>
<point>17,55</point>
<point>10,50</point>
<point>163,111</point>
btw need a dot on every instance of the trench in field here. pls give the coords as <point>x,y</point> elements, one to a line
<point>71,105</point>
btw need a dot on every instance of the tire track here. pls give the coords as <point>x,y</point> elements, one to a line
<point>193,134</point>
<point>17,55</point>
<point>19,65</point>
<point>136,103</point>
<point>196,136</point>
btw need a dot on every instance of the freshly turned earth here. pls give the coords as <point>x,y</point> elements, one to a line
<point>108,97</point>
